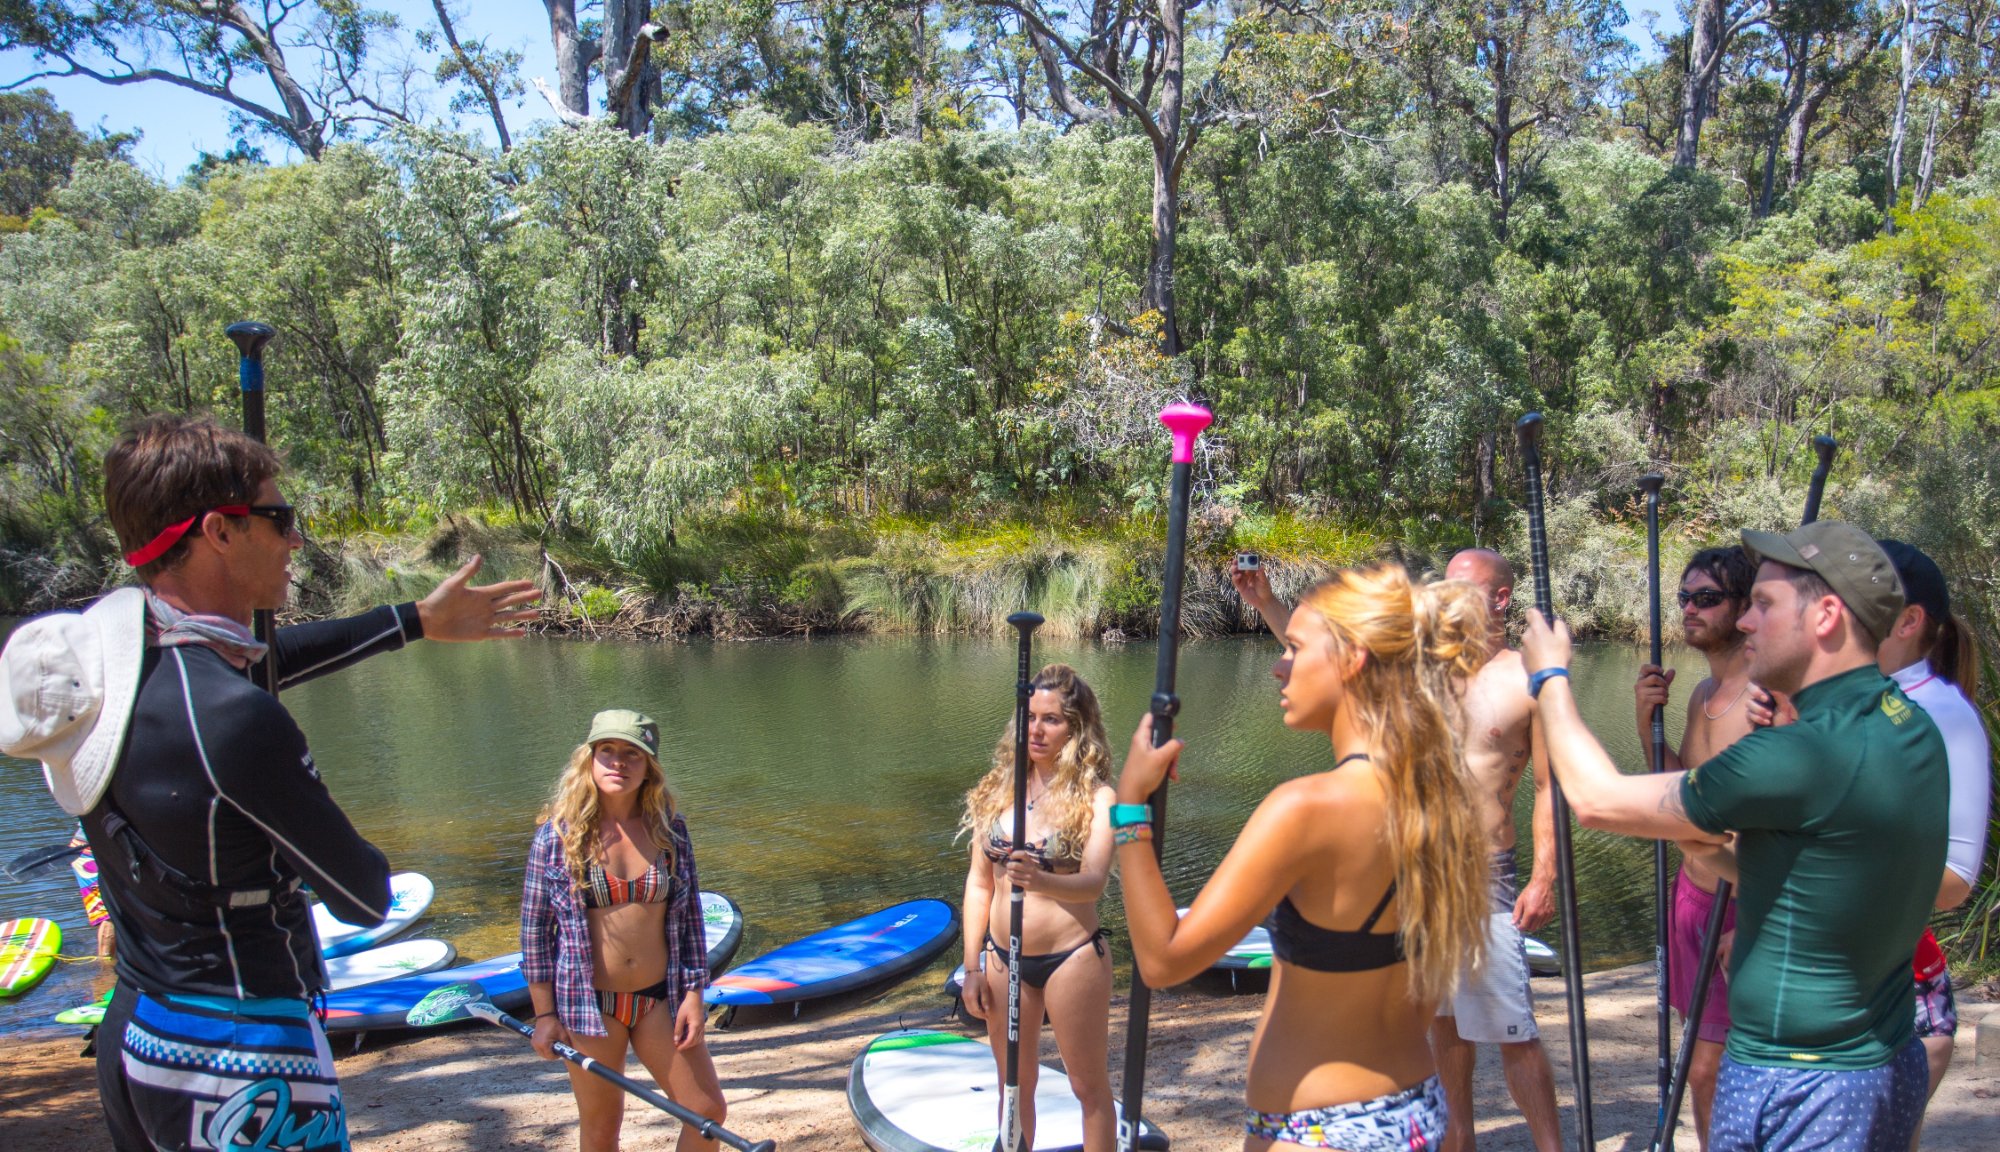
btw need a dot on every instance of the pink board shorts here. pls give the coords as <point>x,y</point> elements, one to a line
<point>1691,908</point>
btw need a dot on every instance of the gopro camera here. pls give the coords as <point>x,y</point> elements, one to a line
<point>1248,562</point>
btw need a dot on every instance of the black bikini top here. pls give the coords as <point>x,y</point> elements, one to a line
<point>1298,941</point>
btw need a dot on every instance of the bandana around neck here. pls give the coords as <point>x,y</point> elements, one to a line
<point>169,627</point>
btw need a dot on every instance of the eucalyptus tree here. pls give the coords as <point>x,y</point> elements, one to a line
<point>1713,25</point>
<point>298,72</point>
<point>39,145</point>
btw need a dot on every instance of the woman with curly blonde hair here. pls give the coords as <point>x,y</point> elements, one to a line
<point>1376,867</point>
<point>611,931</point>
<point>1062,868</point>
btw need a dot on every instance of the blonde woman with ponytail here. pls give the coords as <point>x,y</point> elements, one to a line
<point>611,931</point>
<point>1065,969</point>
<point>1376,867</point>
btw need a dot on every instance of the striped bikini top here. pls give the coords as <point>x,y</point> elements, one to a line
<point>602,890</point>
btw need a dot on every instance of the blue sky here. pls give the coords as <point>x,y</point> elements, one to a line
<point>178,125</point>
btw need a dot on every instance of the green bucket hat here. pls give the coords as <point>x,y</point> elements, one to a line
<point>627,725</point>
<point>1848,559</point>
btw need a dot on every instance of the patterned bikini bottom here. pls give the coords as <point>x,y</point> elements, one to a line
<point>1408,1121</point>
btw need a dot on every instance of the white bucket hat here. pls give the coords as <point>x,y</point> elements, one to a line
<point>68,681</point>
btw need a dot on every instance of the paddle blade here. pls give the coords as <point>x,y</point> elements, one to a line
<point>451,1002</point>
<point>39,861</point>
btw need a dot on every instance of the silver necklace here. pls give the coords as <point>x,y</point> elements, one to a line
<point>1726,707</point>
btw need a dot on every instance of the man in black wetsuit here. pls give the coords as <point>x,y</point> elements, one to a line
<point>207,814</point>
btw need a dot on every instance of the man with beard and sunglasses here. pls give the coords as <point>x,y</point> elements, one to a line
<point>200,797</point>
<point>1714,591</point>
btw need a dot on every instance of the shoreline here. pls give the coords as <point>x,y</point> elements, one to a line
<point>479,1088</point>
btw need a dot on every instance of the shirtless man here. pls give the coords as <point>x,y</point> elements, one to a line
<point>1493,1004</point>
<point>1715,590</point>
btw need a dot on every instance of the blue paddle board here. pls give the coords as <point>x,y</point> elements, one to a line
<point>886,944</point>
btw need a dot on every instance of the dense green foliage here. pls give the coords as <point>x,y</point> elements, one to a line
<point>855,314</point>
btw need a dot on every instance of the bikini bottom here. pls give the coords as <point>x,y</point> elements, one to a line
<point>628,1008</point>
<point>1408,1121</point>
<point>1036,970</point>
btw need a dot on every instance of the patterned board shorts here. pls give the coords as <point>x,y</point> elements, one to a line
<point>1408,1121</point>
<point>199,1072</point>
<point>1820,1110</point>
<point>1937,1007</point>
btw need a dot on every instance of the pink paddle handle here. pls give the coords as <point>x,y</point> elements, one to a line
<point>1185,421</point>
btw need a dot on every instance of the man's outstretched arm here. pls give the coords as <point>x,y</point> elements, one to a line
<point>1648,805</point>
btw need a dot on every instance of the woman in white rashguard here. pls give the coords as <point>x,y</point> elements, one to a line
<point>1931,655</point>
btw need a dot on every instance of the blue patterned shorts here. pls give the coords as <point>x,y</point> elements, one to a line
<point>205,1073</point>
<point>1408,1121</point>
<point>1820,1110</point>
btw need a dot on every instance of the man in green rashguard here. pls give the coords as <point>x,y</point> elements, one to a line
<point>1840,838</point>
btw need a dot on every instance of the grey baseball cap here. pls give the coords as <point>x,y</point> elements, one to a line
<point>1848,559</point>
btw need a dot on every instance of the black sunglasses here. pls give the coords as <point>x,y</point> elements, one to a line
<point>1701,598</point>
<point>283,517</point>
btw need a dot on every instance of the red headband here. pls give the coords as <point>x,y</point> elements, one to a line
<point>172,533</point>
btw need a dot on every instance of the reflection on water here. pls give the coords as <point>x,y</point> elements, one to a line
<point>821,779</point>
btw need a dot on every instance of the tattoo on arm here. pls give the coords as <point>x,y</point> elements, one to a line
<point>1670,803</point>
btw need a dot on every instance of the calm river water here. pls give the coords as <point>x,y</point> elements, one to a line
<point>820,779</point>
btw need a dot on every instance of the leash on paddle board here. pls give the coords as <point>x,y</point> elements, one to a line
<point>1185,422</point>
<point>39,861</point>
<point>1528,430</point>
<point>1711,939</point>
<point>1650,484</point>
<point>251,336</point>
<point>1010,1109</point>
<point>459,1001</point>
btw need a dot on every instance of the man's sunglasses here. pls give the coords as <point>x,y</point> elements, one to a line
<point>1702,598</point>
<point>283,517</point>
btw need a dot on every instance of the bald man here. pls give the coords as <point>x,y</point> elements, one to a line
<point>1493,1004</point>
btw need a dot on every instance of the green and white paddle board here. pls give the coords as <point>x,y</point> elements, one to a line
<point>28,949</point>
<point>91,1014</point>
<point>1542,959</point>
<point>1253,951</point>
<point>920,1090</point>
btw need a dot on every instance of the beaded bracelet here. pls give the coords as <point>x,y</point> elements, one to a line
<point>1132,834</point>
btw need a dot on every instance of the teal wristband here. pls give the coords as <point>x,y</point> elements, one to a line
<point>1536,681</point>
<point>1126,815</point>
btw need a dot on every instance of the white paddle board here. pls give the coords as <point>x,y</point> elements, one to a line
<point>1542,959</point>
<point>924,1091</point>
<point>410,895</point>
<point>403,958</point>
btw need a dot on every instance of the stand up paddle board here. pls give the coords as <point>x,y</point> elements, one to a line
<point>28,949</point>
<point>91,1014</point>
<point>721,929</point>
<point>886,944</point>
<point>410,894</point>
<point>389,962</point>
<point>385,1006</point>
<point>1542,959</point>
<point>925,1091</point>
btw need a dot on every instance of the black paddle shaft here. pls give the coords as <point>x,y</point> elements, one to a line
<point>1024,688</point>
<point>1529,432</point>
<point>1186,426</point>
<point>251,336</point>
<point>1650,484</point>
<point>1711,940</point>
<point>709,1129</point>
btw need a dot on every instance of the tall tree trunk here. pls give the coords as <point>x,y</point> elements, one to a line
<point>1899,125</point>
<point>300,126</point>
<point>574,56</point>
<point>1798,133</point>
<point>630,79</point>
<point>1928,161</point>
<point>1704,64</point>
<point>1166,174</point>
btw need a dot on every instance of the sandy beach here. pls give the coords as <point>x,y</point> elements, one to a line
<point>478,1088</point>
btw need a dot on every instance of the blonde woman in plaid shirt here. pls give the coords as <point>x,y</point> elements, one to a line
<point>611,930</point>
